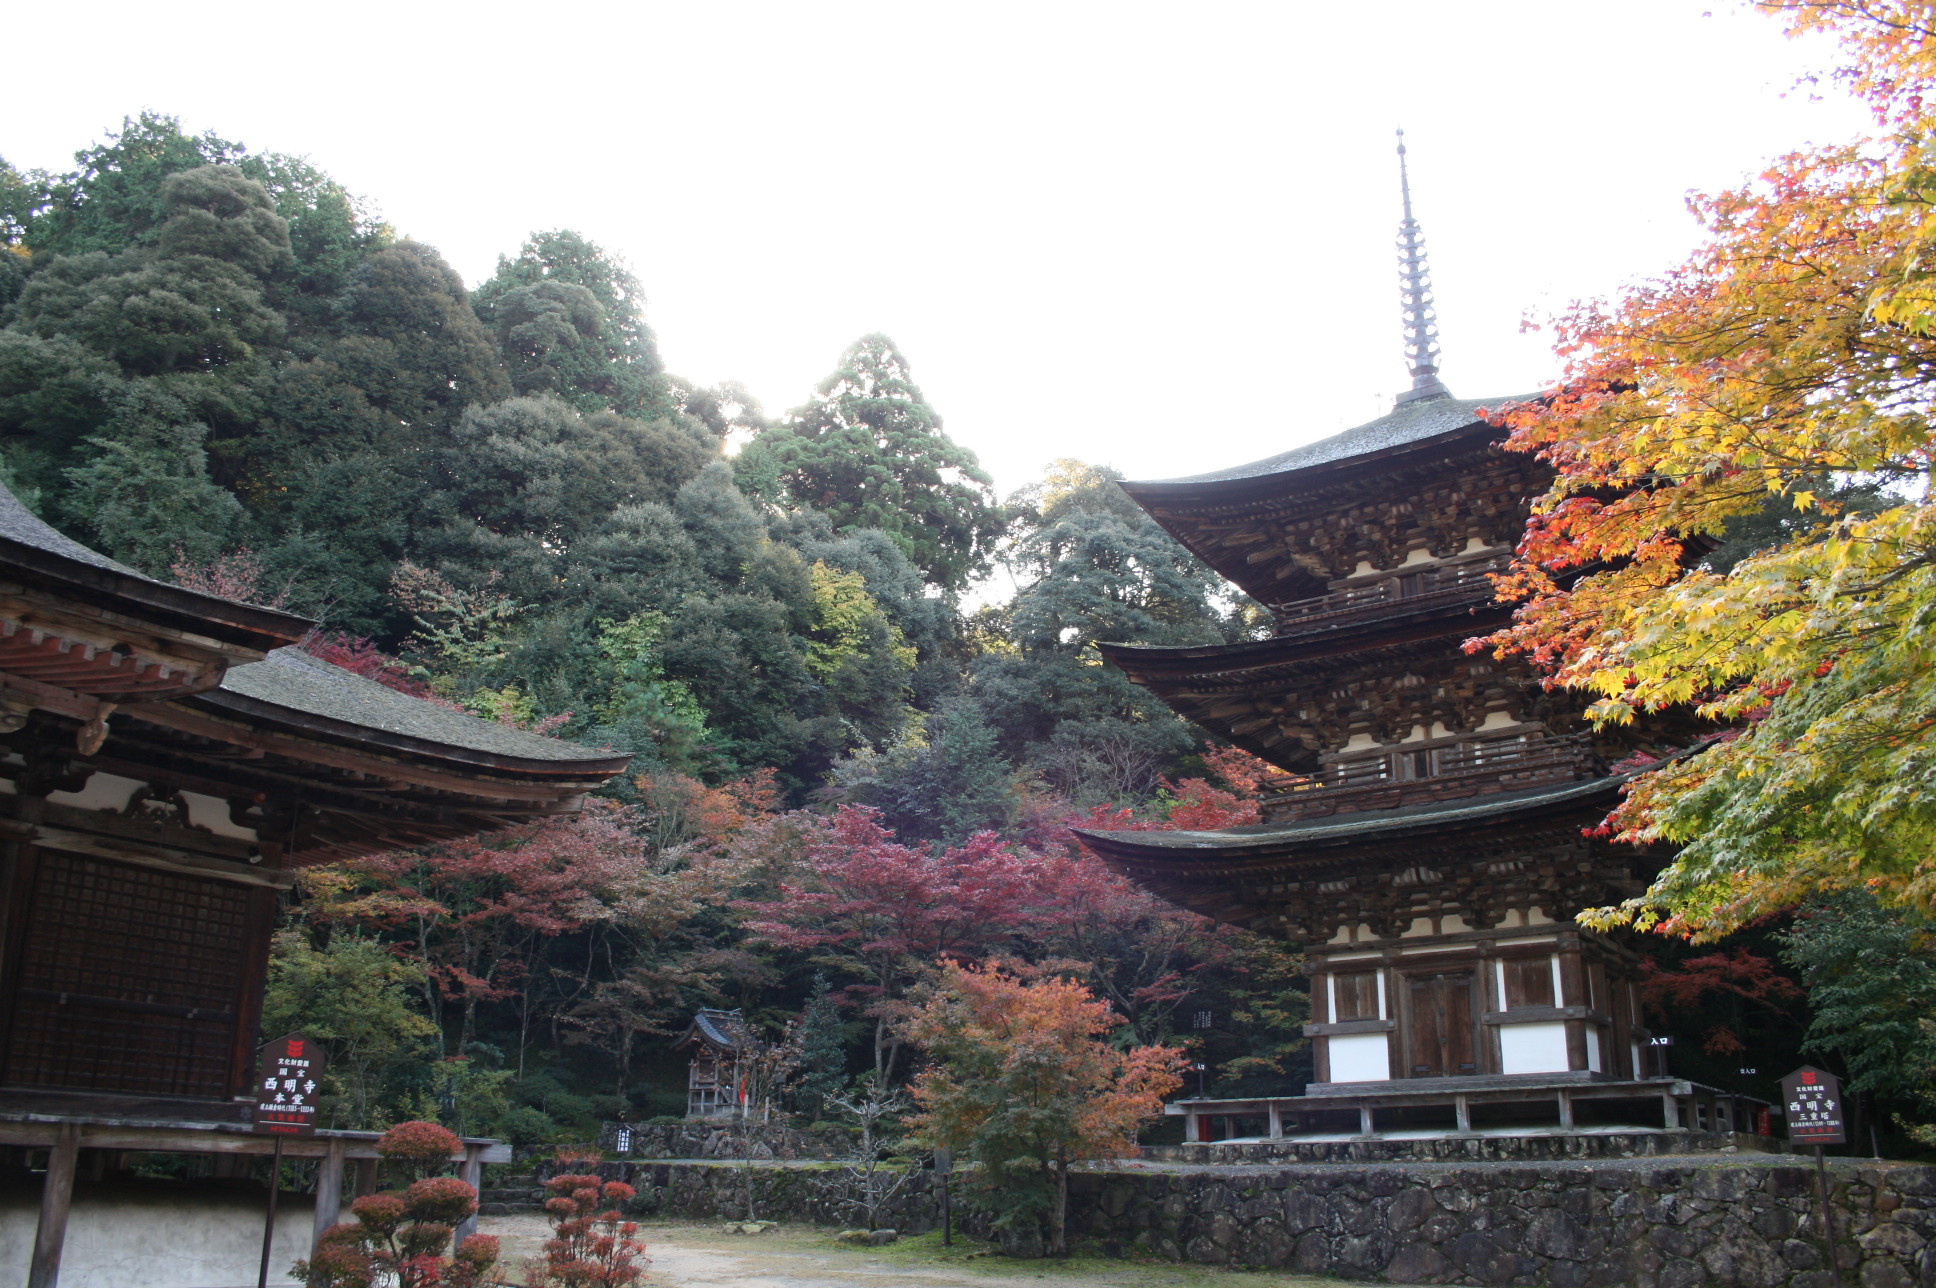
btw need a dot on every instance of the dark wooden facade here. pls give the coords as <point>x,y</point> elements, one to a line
<point>1434,845</point>
<point>168,762</point>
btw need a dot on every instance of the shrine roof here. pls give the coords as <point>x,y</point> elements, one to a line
<point>1267,839</point>
<point>1407,425</point>
<point>294,681</point>
<point>33,548</point>
<point>723,1029</point>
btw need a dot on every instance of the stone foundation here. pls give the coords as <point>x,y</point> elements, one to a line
<point>1683,1222</point>
<point>1531,1147</point>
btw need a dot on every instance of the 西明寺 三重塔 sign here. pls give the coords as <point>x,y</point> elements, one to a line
<point>1812,1099</point>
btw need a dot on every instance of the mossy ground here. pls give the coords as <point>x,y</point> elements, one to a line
<point>802,1256</point>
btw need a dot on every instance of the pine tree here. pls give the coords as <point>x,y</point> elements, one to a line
<point>823,1050</point>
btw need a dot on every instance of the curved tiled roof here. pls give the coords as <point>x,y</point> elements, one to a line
<point>1261,838</point>
<point>1407,424</point>
<point>18,523</point>
<point>293,680</point>
<point>33,547</point>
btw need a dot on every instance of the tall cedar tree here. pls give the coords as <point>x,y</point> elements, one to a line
<point>869,452</point>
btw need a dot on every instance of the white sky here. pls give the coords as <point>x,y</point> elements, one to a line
<point>1157,236</point>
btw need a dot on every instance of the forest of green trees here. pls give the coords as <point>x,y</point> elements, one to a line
<point>221,368</point>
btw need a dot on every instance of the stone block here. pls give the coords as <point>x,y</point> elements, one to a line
<point>1736,1255</point>
<point>1555,1235</point>
<point>1483,1260</point>
<point>1304,1210</point>
<point>1265,1243</point>
<point>1886,1274</point>
<point>1417,1263</point>
<point>1680,1272</point>
<point>1725,1184</point>
<point>1892,1238</point>
<point>1353,1216</point>
<point>1790,1182</point>
<point>1913,1180</point>
<point>1410,1210</point>
<point>1312,1256</point>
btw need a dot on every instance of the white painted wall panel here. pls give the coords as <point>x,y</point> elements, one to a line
<point>1532,1048</point>
<point>1360,1057</point>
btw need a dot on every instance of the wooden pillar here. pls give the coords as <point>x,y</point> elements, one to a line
<point>1566,1108</point>
<point>1192,1129</point>
<point>56,1198</point>
<point>365,1176</point>
<point>1462,1113</point>
<point>472,1175</point>
<point>329,1192</point>
<point>1365,1127</point>
<point>1670,1111</point>
<point>1572,992</point>
<point>1276,1121</point>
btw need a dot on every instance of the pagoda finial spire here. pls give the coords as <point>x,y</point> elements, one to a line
<point>1415,293</point>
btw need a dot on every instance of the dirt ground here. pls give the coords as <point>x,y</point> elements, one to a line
<point>808,1257</point>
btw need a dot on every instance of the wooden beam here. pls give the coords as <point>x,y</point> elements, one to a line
<point>56,1200</point>
<point>205,1140</point>
<point>166,859</point>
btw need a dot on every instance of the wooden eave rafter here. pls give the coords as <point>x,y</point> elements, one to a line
<point>1221,521</point>
<point>1300,655</point>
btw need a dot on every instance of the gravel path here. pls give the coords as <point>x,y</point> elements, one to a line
<point>703,1256</point>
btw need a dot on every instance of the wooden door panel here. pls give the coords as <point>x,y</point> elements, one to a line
<point>1439,1038</point>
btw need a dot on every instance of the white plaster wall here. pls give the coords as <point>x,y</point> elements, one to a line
<point>1593,1050</point>
<point>1532,1048</point>
<point>1360,1057</point>
<point>159,1236</point>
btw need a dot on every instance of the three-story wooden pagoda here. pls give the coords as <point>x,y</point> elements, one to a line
<point>1436,842</point>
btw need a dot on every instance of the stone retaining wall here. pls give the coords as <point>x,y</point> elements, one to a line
<point>1650,1223</point>
<point>1529,1148</point>
<point>701,1139</point>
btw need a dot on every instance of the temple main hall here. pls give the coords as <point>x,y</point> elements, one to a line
<point>1434,842</point>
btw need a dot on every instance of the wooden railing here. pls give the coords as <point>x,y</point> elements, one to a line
<point>1462,581</point>
<point>1412,777</point>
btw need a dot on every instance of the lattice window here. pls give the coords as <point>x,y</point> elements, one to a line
<point>130,980</point>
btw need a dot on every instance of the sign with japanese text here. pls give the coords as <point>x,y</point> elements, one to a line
<point>1813,1101</point>
<point>287,1081</point>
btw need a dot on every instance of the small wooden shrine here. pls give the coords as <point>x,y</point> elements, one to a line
<point>720,1079</point>
<point>1433,848</point>
<point>167,763</point>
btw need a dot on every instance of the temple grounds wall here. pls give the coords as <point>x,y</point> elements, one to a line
<point>1650,1223</point>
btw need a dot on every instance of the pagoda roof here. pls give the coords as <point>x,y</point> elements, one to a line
<point>1407,425</point>
<point>1184,853</point>
<point>1217,514</point>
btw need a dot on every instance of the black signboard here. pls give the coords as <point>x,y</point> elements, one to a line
<point>287,1082</point>
<point>1813,1100</point>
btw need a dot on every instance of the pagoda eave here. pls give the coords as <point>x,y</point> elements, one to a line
<point>1272,847</point>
